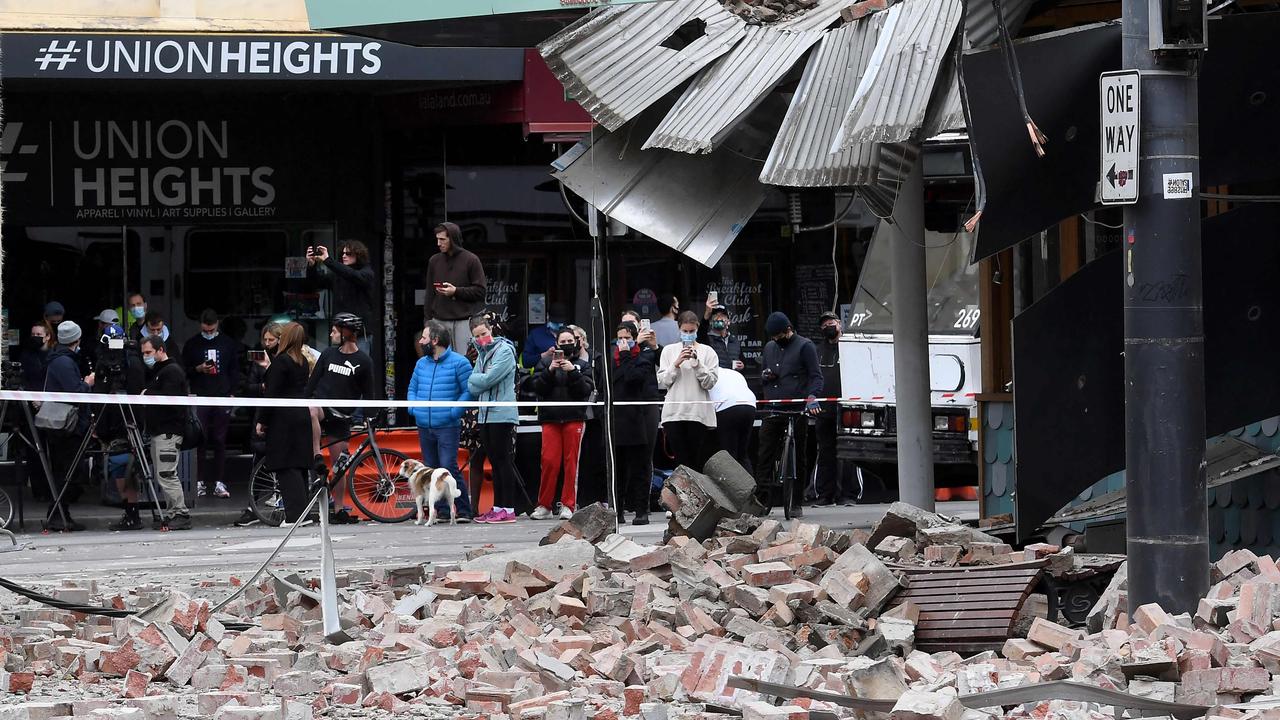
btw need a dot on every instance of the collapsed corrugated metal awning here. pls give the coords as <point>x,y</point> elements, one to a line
<point>723,94</point>
<point>801,155</point>
<point>893,97</point>
<point>696,204</point>
<point>618,61</point>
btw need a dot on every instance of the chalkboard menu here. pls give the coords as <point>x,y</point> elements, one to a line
<point>746,291</point>
<point>507,295</point>
<point>815,290</point>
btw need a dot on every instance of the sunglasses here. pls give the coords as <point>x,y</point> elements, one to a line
<point>348,252</point>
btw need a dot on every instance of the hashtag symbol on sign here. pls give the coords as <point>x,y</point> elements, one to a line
<point>56,52</point>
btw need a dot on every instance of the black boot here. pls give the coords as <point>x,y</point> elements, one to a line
<point>55,522</point>
<point>640,519</point>
<point>130,520</point>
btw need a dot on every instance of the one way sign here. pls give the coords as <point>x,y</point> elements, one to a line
<point>1121,130</point>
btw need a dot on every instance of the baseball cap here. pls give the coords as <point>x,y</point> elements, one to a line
<point>108,316</point>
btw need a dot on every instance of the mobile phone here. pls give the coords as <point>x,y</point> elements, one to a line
<point>255,355</point>
<point>437,285</point>
<point>558,354</point>
<point>713,296</point>
<point>211,356</point>
<point>644,325</point>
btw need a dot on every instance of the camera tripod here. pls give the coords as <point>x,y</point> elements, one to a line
<point>137,444</point>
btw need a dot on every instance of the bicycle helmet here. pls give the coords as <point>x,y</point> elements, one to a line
<point>348,321</point>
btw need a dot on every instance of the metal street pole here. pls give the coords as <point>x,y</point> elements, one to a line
<point>1164,335</point>
<point>911,344</point>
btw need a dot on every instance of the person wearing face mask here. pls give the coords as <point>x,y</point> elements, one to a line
<point>63,375</point>
<point>154,324</point>
<point>728,348</point>
<point>633,377</point>
<point>494,380</point>
<point>665,328</point>
<point>35,353</point>
<point>687,370</point>
<point>212,360</point>
<point>542,339</point>
<point>254,386</point>
<point>790,372</point>
<point>136,307</point>
<point>166,425</point>
<point>441,375</point>
<point>830,486</point>
<point>562,376</point>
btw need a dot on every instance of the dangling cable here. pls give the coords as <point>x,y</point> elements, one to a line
<point>1038,139</point>
<point>980,183</point>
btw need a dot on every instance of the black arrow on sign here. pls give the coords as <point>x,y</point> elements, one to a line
<point>1111,175</point>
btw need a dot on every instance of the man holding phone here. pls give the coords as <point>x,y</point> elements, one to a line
<point>212,361</point>
<point>457,285</point>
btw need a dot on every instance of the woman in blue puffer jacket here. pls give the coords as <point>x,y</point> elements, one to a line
<point>494,380</point>
<point>441,375</point>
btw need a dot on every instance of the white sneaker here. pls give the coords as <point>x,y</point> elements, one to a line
<point>220,490</point>
<point>540,513</point>
<point>301,523</point>
<point>200,491</point>
<point>565,513</point>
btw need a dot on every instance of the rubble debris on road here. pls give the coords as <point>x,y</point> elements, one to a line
<point>620,629</point>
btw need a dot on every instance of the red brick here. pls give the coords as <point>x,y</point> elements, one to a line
<point>1051,635</point>
<point>767,574</point>
<point>135,684</point>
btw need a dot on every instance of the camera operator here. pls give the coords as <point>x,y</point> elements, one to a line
<point>63,375</point>
<point>166,424</point>
<point>91,350</point>
<point>119,370</point>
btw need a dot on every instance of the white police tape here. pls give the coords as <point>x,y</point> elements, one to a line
<point>202,401</point>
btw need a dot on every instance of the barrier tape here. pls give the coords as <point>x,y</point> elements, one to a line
<point>202,401</point>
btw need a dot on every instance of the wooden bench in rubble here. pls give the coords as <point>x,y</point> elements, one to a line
<point>967,609</point>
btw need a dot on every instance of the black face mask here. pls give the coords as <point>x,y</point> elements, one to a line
<point>569,350</point>
<point>831,332</point>
<point>785,341</point>
<point>271,351</point>
<point>35,343</point>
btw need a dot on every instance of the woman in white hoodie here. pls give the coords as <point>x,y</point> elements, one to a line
<point>688,370</point>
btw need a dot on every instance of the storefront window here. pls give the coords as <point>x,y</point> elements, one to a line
<point>237,272</point>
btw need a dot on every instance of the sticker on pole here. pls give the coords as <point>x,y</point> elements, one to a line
<point>1118,141</point>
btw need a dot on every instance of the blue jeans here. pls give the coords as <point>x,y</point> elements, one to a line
<point>440,449</point>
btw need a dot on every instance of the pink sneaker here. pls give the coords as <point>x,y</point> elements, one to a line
<point>485,518</point>
<point>502,517</point>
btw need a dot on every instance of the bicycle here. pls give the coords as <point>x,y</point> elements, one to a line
<point>784,466</point>
<point>6,509</point>
<point>372,474</point>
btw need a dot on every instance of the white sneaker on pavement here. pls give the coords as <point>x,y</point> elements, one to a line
<point>220,490</point>
<point>540,513</point>
<point>565,512</point>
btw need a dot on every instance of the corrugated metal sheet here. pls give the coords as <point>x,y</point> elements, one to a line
<point>801,156</point>
<point>696,204</point>
<point>980,20</point>
<point>724,93</point>
<point>612,62</point>
<point>893,98</point>
<point>892,167</point>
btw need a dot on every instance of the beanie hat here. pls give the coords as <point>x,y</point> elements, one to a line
<point>68,332</point>
<point>776,324</point>
<point>54,308</point>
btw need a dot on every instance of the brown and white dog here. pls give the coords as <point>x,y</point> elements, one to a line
<point>431,485</point>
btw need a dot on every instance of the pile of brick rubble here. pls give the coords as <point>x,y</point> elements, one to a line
<point>598,626</point>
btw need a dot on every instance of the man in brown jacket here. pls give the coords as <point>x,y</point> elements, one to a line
<point>456,285</point>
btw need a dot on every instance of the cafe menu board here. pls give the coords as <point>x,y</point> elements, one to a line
<point>507,295</point>
<point>746,291</point>
<point>815,290</point>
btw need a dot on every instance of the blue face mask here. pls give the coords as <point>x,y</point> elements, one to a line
<point>626,344</point>
<point>688,338</point>
<point>208,335</point>
<point>149,360</point>
<point>554,326</point>
<point>138,312</point>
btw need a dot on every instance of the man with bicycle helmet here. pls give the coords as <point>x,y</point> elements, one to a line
<point>343,372</point>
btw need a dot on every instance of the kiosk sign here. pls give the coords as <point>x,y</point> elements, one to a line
<point>1120,132</point>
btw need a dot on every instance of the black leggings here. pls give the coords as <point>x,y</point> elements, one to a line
<point>733,426</point>
<point>687,442</point>
<point>508,486</point>
<point>631,466</point>
<point>292,483</point>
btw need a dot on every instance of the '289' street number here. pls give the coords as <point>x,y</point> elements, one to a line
<point>967,319</point>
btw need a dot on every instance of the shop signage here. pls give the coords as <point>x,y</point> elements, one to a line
<point>244,57</point>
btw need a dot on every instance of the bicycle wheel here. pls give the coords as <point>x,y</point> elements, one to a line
<point>264,495</point>
<point>381,495</point>
<point>6,509</point>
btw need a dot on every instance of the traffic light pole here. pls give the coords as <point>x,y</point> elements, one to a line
<point>1167,530</point>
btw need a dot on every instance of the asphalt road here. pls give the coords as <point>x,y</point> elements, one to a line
<point>215,552</point>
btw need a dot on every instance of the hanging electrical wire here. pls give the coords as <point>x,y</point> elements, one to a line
<point>1038,139</point>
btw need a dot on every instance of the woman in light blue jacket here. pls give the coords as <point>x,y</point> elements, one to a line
<point>494,380</point>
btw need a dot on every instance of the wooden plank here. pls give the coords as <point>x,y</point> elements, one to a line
<point>933,625</point>
<point>1012,594</point>
<point>1003,613</point>
<point>959,646</point>
<point>992,634</point>
<point>974,583</point>
<point>1016,573</point>
<point>962,604</point>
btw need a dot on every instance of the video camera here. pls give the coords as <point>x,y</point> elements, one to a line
<point>114,347</point>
